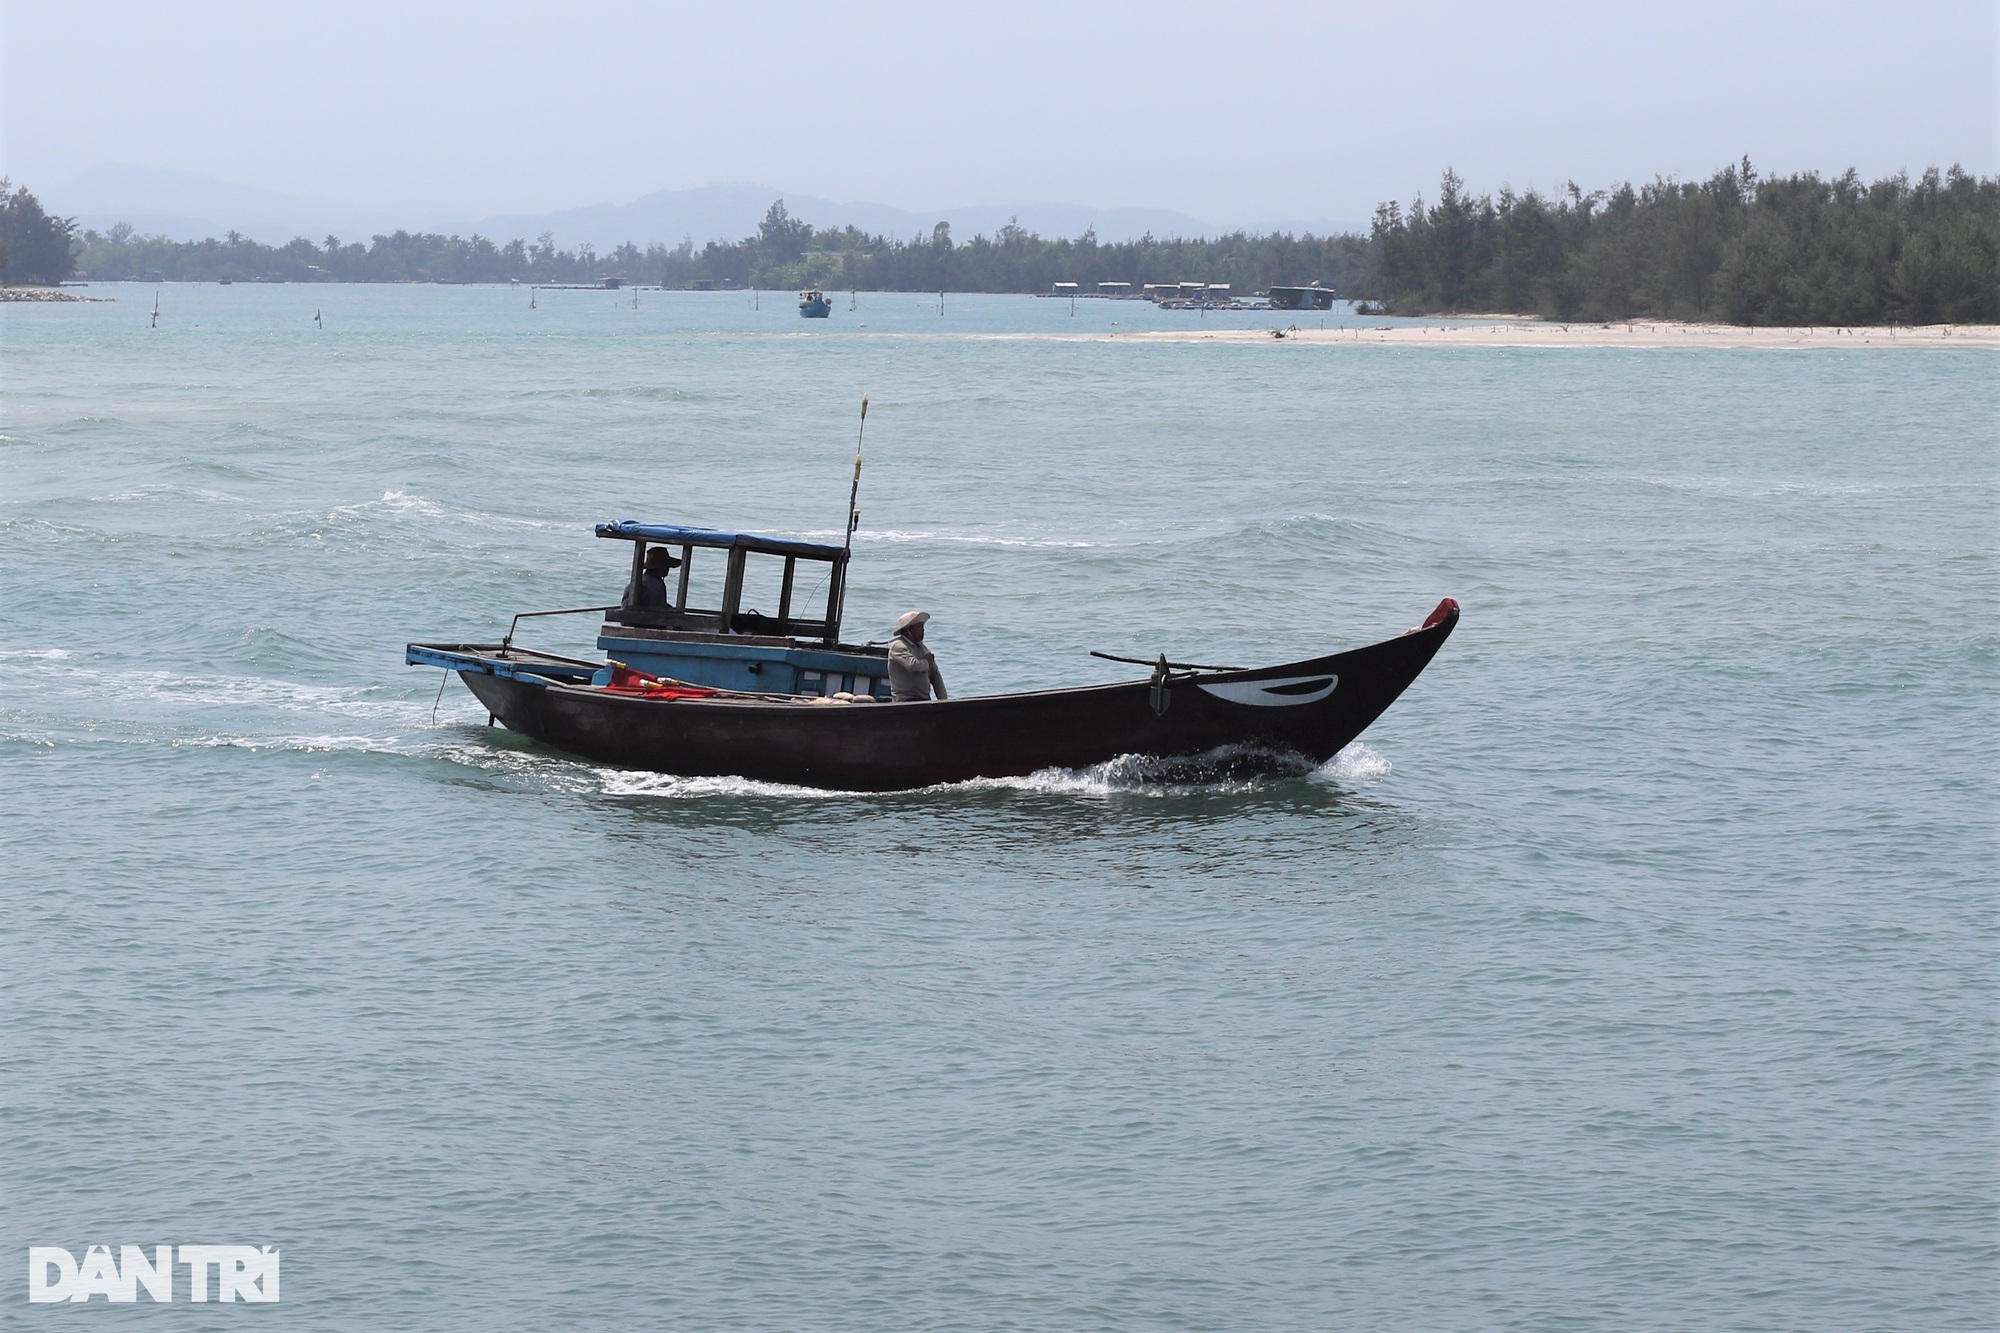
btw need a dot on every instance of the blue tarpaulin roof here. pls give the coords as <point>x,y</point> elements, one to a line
<point>634,531</point>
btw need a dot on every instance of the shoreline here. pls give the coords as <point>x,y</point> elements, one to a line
<point>1638,333</point>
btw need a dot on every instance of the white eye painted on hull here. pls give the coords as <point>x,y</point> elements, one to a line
<point>1274,693</point>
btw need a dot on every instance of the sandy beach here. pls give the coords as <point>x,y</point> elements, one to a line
<point>1514,332</point>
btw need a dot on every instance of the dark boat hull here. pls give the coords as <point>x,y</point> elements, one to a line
<point>1313,708</point>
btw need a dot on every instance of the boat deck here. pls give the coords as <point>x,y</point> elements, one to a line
<point>493,659</point>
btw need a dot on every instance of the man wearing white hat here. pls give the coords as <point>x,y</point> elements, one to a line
<point>913,668</point>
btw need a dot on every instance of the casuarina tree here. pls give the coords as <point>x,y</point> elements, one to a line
<point>34,247</point>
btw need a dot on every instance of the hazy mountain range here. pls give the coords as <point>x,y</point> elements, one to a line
<point>188,206</point>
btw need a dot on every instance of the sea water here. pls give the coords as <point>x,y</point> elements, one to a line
<point>1634,971</point>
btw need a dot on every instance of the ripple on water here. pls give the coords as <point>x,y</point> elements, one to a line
<point>1649,987</point>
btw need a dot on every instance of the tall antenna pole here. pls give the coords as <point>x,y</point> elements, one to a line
<point>853,514</point>
<point>854,491</point>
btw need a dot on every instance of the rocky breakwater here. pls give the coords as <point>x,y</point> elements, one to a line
<point>46,294</point>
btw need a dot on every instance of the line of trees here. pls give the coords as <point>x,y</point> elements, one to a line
<point>785,252</point>
<point>1778,250</point>
<point>1735,247</point>
<point>400,256</point>
<point>34,247</point>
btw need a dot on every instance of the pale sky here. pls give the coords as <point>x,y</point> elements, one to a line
<point>1235,111</point>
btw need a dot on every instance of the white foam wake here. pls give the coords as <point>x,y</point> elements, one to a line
<point>1228,769</point>
<point>1358,763</point>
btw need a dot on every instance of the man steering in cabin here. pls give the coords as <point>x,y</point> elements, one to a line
<point>648,592</point>
<point>913,668</point>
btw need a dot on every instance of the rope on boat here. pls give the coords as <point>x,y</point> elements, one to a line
<point>440,695</point>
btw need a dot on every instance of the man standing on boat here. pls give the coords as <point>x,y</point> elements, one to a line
<point>913,668</point>
<point>648,592</point>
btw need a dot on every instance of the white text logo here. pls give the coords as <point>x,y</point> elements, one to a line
<point>242,1273</point>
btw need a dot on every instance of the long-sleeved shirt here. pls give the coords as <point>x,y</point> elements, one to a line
<point>913,672</point>
<point>651,594</point>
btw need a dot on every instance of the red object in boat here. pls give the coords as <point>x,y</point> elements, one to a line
<point>624,680</point>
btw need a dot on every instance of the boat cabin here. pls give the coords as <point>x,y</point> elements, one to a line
<point>744,613</point>
<point>1315,297</point>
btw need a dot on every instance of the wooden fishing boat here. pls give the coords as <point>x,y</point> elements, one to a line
<point>729,691</point>
<point>814,305</point>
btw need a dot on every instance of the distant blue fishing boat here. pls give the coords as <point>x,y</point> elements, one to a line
<point>814,305</point>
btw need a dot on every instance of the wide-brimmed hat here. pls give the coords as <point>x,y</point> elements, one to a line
<point>660,555</point>
<point>909,618</point>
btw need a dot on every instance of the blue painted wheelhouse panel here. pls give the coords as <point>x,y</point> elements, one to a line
<point>763,668</point>
<point>773,666</point>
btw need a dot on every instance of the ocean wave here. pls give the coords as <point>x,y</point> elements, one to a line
<point>1313,531</point>
<point>32,731</point>
<point>162,490</point>
<point>1700,485</point>
<point>1835,490</point>
<point>1309,531</point>
<point>310,743</point>
<point>174,688</point>
<point>646,392</point>
<point>401,503</point>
